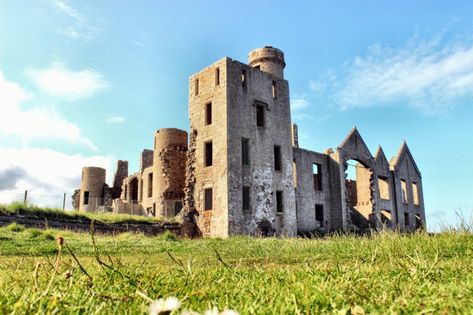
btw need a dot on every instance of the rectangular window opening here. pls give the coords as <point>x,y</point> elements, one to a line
<point>196,87</point>
<point>319,214</point>
<point>243,78</point>
<point>245,151</point>
<point>383,186</point>
<point>279,202</point>
<point>260,115</point>
<point>404,191</point>
<point>415,193</point>
<point>177,207</point>
<point>208,153</point>
<point>277,158</point>
<point>274,89</point>
<point>150,185</point>
<point>317,174</point>
<point>246,198</point>
<point>208,199</point>
<point>217,76</point>
<point>86,197</point>
<point>294,173</point>
<point>208,113</point>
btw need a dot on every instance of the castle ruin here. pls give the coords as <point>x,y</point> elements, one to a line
<point>241,170</point>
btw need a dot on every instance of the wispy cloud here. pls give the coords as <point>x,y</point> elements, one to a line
<point>115,119</point>
<point>68,10</point>
<point>34,123</point>
<point>77,26</point>
<point>59,81</point>
<point>429,75</point>
<point>299,104</point>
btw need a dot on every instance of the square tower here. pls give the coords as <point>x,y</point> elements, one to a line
<point>240,117</point>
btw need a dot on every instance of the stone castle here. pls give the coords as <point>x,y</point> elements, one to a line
<point>241,170</point>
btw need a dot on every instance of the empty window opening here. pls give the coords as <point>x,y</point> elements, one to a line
<point>317,173</point>
<point>245,151</point>
<point>134,190</point>
<point>274,89</point>
<point>153,212</point>
<point>196,87</point>
<point>208,113</point>
<point>415,193</point>
<point>258,67</point>
<point>246,198</point>
<point>319,214</point>
<point>208,153</point>
<point>279,202</point>
<point>386,217</point>
<point>208,199</point>
<point>359,194</point>
<point>217,76</point>
<point>86,197</point>
<point>260,115</point>
<point>126,192</point>
<point>141,189</point>
<point>177,207</point>
<point>383,186</point>
<point>406,219</point>
<point>294,173</point>
<point>419,224</point>
<point>404,191</point>
<point>277,158</point>
<point>243,78</point>
<point>150,185</point>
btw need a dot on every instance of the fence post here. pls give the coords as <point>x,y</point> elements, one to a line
<point>26,198</point>
<point>64,202</point>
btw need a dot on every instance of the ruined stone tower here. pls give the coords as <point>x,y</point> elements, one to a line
<point>241,114</point>
<point>92,188</point>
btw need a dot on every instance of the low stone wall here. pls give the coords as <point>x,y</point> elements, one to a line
<point>83,225</point>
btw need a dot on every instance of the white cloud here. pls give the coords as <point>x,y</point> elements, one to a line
<point>431,76</point>
<point>35,123</point>
<point>115,119</point>
<point>299,104</point>
<point>59,81</point>
<point>45,173</point>
<point>76,25</point>
<point>68,10</point>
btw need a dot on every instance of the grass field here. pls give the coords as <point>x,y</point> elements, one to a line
<point>386,273</point>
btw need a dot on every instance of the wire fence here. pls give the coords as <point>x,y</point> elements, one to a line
<point>56,200</point>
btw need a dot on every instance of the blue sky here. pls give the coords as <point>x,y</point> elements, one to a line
<point>88,82</point>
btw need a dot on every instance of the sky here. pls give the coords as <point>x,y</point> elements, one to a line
<point>88,82</point>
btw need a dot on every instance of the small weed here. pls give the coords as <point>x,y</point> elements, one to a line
<point>15,227</point>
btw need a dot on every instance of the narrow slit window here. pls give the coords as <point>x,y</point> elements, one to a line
<point>86,197</point>
<point>208,199</point>
<point>246,198</point>
<point>317,173</point>
<point>260,115</point>
<point>245,151</point>
<point>217,76</point>
<point>279,202</point>
<point>243,78</point>
<point>406,219</point>
<point>277,158</point>
<point>208,153</point>
<point>415,193</point>
<point>150,185</point>
<point>274,89</point>
<point>319,214</point>
<point>196,87</point>
<point>404,191</point>
<point>208,113</point>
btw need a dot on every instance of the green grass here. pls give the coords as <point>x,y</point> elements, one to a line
<point>385,273</point>
<point>33,211</point>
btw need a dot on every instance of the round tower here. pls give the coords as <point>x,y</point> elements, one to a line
<point>169,168</point>
<point>91,188</point>
<point>268,59</point>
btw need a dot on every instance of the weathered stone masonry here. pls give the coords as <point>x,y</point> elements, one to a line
<point>242,171</point>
